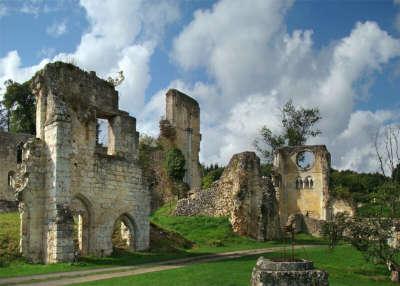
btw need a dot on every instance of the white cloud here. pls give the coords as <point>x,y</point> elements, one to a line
<point>254,65</point>
<point>257,65</point>
<point>10,68</point>
<point>57,29</point>
<point>122,35</point>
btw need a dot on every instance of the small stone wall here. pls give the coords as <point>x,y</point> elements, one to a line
<point>242,195</point>
<point>297,273</point>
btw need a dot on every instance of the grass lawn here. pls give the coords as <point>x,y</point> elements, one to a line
<point>346,267</point>
<point>207,234</point>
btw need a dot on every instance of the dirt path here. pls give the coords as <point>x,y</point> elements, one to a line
<point>74,277</point>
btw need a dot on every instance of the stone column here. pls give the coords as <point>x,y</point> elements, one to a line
<point>59,221</point>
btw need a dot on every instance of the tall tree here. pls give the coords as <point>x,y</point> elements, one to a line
<point>298,125</point>
<point>19,103</point>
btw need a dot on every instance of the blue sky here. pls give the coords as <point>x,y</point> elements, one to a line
<point>240,59</point>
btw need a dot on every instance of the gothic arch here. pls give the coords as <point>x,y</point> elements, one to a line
<point>81,209</point>
<point>124,232</point>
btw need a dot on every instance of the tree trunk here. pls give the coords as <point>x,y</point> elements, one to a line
<point>395,276</point>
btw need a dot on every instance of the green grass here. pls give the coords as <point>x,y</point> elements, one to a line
<point>345,265</point>
<point>9,237</point>
<point>209,235</point>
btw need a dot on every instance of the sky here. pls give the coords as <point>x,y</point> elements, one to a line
<point>241,60</point>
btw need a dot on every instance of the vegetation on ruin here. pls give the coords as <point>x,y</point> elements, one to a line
<point>211,174</point>
<point>175,164</point>
<point>17,113</point>
<point>298,124</point>
<point>344,264</point>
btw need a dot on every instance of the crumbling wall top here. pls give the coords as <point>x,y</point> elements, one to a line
<point>81,90</point>
<point>295,149</point>
<point>184,99</point>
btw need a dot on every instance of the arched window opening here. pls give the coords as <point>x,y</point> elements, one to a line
<point>123,234</point>
<point>299,183</point>
<point>19,153</point>
<point>81,215</point>
<point>309,182</point>
<point>10,178</point>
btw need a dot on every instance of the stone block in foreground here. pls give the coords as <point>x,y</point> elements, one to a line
<point>282,273</point>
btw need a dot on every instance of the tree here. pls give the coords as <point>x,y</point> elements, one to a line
<point>298,126</point>
<point>371,236</point>
<point>175,164</point>
<point>333,229</point>
<point>211,174</point>
<point>19,103</point>
<point>175,167</point>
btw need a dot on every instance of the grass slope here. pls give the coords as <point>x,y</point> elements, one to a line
<point>346,267</point>
<point>9,237</point>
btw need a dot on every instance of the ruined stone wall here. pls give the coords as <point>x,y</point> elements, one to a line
<point>240,194</point>
<point>183,115</point>
<point>75,178</point>
<point>302,190</point>
<point>9,143</point>
<point>341,206</point>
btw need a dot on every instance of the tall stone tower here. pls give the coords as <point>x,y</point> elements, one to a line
<point>183,114</point>
<point>301,177</point>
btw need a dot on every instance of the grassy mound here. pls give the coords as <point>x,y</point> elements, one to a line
<point>162,240</point>
<point>209,234</point>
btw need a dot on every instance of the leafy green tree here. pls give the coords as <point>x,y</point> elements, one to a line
<point>19,103</point>
<point>298,126</point>
<point>333,229</point>
<point>371,236</point>
<point>212,175</point>
<point>175,164</point>
<point>388,196</point>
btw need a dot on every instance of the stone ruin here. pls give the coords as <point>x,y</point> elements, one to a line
<point>182,115</point>
<point>11,155</point>
<point>301,180</point>
<point>242,195</point>
<point>179,128</point>
<point>298,191</point>
<point>67,178</point>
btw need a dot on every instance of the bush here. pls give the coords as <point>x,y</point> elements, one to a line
<point>175,164</point>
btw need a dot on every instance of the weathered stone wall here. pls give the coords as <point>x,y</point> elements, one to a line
<point>66,176</point>
<point>9,143</point>
<point>341,206</point>
<point>182,127</point>
<point>240,194</point>
<point>304,191</point>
